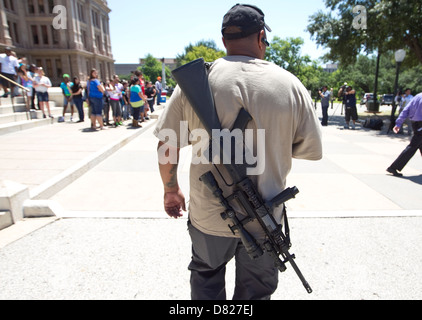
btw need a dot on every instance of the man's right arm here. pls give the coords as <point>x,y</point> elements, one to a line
<point>174,200</point>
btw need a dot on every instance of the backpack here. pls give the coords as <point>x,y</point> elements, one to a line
<point>374,124</point>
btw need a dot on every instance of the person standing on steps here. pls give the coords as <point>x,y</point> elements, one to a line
<point>8,67</point>
<point>42,84</point>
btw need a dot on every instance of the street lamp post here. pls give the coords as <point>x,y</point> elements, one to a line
<point>399,56</point>
<point>163,72</point>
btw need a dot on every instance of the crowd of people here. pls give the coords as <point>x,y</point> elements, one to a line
<point>134,99</point>
<point>127,99</point>
<point>347,95</point>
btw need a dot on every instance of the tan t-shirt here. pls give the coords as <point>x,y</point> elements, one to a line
<point>282,110</point>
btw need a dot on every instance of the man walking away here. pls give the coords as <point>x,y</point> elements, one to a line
<point>292,131</point>
<point>413,111</point>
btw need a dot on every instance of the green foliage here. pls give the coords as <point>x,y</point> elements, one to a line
<point>411,78</point>
<point>202,52</point>
<point>391,25</point>
<point>206,49</point>
<point>360,74</point>
<point>287,54</point>
<point>152,69</point>
<point>358,63</point>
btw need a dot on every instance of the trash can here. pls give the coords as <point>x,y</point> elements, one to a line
<point>371,106</point>
<point>163,97</point>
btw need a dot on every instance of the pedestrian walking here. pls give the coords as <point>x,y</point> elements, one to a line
<point>292,130</point>
<point>413,111</point>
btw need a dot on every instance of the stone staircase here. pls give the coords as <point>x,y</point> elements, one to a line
<point>14,116</point>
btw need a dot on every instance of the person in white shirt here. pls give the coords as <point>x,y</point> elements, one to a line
<point>8,66</point>
<point>115,90</point>
<point>41,85</point>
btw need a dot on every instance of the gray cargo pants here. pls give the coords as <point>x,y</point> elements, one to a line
<point>255,279</point>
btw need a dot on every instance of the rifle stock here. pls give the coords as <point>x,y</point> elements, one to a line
<point>192,78</point>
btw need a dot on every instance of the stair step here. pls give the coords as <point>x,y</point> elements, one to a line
<point>18,99</point>
<point>23,125</point>
<point>12,117</point>
<point>18,107</point>
<point>5,219</point>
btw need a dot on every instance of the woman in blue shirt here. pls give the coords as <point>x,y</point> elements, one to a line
<point>137,101</point>
<point>95,94</point>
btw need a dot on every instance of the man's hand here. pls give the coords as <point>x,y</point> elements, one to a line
<point>396,129</point>
<point>174,203</point>
<point>174,200</point>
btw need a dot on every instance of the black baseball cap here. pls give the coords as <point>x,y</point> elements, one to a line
<point>249,18</point>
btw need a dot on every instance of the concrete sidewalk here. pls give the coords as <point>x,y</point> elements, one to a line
<point>355,228</point>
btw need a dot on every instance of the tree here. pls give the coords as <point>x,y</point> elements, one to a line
<point>411,78</point>
<point>390,25</point>
<point>401,21</point>
<point>350,34</point>
<point>206,49</point>
<point>287,54</point>
<point>152,69</point>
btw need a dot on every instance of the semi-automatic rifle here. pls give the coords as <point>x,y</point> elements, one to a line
<point>192,79</point>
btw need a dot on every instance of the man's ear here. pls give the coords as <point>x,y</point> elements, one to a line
<point>261,36</point>
<point>224,42</point>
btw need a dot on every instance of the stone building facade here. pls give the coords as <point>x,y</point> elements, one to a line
<point>62,36</point>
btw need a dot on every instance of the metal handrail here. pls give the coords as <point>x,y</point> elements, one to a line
<point>11,94</point>
<point>15,83</point>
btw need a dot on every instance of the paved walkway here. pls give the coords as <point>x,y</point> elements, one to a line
<point>355,228</point>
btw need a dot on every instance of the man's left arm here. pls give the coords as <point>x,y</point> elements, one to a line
<point>406,113</point>
<point>307,142</point>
